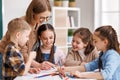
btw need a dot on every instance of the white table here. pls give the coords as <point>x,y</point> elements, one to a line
<point>43,72</point>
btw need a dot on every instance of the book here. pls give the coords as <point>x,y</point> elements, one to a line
<point>72,23</point>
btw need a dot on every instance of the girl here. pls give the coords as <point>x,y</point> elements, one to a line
<point>82,50</point>
<point>108,63</point>
<point>47,51</point>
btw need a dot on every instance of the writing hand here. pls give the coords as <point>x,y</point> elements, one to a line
<point>34,70</point>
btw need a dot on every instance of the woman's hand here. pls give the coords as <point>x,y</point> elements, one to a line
<point>34,70</point>
<point>32,55</point>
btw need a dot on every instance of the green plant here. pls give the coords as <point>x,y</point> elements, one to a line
<point>70,32</point>
<point>57,0</point>
<point>71,0</point>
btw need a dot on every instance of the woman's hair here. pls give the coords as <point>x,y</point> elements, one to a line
<point>107,32</point>
<point>41,29</point>
<point>36,7</point>
<point>87,38</point>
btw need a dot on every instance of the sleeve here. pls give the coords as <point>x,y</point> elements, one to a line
<point>70,60</point>
<point>24,51</point>
<point>59,56</point>
<point>16,61</point>
<point>91,66</point>
<point>112,61</point>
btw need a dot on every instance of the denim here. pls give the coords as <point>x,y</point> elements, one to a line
<point>111,65</point>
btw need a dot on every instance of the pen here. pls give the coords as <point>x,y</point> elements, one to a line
<point>52,74</point>
<point>60,76</point>
<point>60,63</point>
<point>42,76</point>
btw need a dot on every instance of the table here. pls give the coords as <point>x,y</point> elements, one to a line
<point>44,72</point>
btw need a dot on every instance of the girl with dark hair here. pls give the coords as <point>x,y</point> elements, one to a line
<point>47,51</point>
<point>82,50</point>
<point>108,63</point>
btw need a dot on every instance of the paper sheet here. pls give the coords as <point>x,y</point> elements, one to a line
<point>29,76</point>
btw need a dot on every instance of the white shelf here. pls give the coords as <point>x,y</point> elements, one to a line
<point>67,8</point>
<point>61,17</point>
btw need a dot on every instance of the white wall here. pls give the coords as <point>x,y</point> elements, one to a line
<point>13,9</point>
<point>87,13</point>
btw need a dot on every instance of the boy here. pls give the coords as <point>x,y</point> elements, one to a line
<point>13,62</point>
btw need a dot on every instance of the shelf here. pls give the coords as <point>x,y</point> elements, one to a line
<point>65,27</point>
<point>65,19</point>
<point>67,8</point>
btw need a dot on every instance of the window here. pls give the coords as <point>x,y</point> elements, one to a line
<point>107,12</point>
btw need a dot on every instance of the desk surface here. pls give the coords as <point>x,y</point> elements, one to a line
<point>43,72</point>
<point>47,78</point>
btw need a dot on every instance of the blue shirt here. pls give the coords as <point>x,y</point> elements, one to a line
<point>46,57</point>
<point>110,63</point>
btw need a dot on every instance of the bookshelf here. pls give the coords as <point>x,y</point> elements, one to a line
<point>65,20</point>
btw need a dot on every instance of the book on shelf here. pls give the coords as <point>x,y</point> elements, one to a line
<point>72,23</point>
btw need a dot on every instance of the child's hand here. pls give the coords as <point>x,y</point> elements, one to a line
<point>34,70</point>
<point>61,70</point>
<point>47,65</point>
<point>32,55</point>
<point>75,74</point>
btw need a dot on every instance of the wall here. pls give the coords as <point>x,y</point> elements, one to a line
<point>13,9</point>
<point>1,19</point>
<point>87,13</point>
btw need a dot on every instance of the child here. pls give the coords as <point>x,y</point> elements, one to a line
<point>108,63</point>
<point>13,61</point>
<point>47,51</point>
<point>82,50</point>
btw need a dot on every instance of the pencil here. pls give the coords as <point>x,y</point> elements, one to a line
<point>60,76</point>
<point>52,74</point>
<point>42,76</point>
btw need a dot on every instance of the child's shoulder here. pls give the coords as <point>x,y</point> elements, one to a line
<point>111,53</point>
<point>11,47</point>
<point>58,50</point>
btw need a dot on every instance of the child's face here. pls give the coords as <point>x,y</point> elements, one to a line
<point>100,44</point>
<point>42,17</point>
<point>47,38</point>
<point>23,37</point>
<point>77,43</point>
